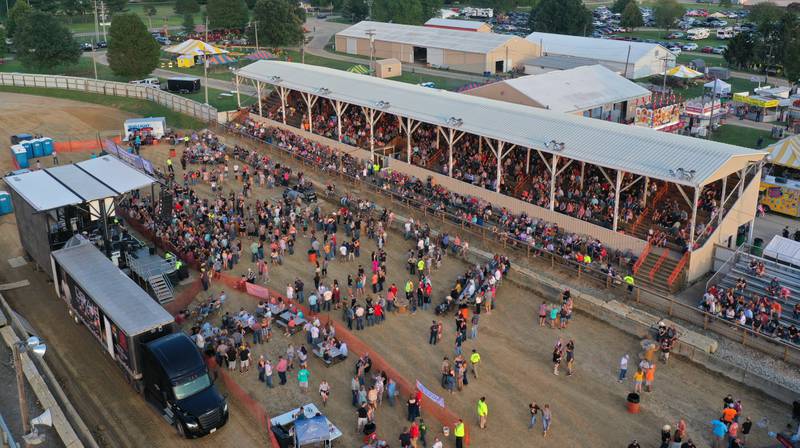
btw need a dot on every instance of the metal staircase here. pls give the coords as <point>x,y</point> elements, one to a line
<point>162,288</point>
<point>154,276</point>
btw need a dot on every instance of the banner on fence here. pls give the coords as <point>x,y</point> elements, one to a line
<point>136,161</point>
<point>258,291</point>
<point>428,393</point>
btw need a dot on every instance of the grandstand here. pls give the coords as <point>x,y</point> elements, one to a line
<point>757,294</point>
<point>635,189</point>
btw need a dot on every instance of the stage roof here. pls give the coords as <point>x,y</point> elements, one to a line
<point>629,148</point>
<point>90,180</point>
<point>120,298</point>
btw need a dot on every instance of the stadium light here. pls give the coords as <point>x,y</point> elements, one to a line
<point>323,91</point>
<point>382,104</point>
<point>275,79</point>
<point>455,122</point>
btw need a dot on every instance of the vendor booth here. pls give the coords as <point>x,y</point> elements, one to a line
<point>152,127</point>
<point>304,427</point>
<point>779,191</point>
<point>756,107</point>
<point>661,112</point>
<point>702,111</point>
<point>718,87</point>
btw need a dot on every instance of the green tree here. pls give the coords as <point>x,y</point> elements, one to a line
<point>561,17</point>
<point>132,51</point>
<point>150,12</point>
<point>740,52</point>
<point>725,3</point>
<point>74,7</point>
<point>49,6</point>
<point>791,64</point>
<point>355,10</point>
<point>116,5</point>
<point>763,14</point>
<point>188,23</point>
<point>251,3</point>
<point>411,12</point>
<point>632,16</point>
<point>15,15</point>
<point>43,41</point>
<point>3,11</point>
<point>619,5</point>
<point>667,12</point>
<point>279,24</point>
<point>186,7</point>
<point>227,14</point>
<point>3,48</point>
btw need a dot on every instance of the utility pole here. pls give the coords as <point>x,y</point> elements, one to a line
<point>103,19</point>
<point>205,61</point>
<point>369,9</point>
<point>96,24</point>
<point>371,34</point>
<point>96,37</point>
<point>256,23</point>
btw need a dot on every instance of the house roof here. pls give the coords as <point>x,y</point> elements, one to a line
<point>593,48</point>
<point>629,148</point>
<point>429,37</point>
<point>455,23</point>
<point>577,89</point>
<point>120,298</point>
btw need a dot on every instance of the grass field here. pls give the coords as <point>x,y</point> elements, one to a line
<point>140,107</point>
<point>737,85</point>
<point>82,69</point>
<point>165,14</point>
<point>741,136</point>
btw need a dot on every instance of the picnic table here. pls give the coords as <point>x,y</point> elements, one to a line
<point>284,318</point>
<point>335,355</point>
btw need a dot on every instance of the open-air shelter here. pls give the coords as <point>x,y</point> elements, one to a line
<point>558,140</point>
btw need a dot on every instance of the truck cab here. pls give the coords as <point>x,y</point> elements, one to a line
<point>177,381</point>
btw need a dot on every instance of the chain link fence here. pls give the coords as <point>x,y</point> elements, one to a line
<point>171,101</point>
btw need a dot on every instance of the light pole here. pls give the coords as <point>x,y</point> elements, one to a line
<point>205,62</point>
<point>371,34</point>
<point>34,345</point>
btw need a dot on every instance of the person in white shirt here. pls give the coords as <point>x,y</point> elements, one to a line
<point>623,367</point>
<point>437,443</point>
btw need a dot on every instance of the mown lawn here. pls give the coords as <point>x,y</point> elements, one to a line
<point>741,136</point>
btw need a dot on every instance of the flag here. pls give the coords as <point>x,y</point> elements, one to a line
<point>433,397</point>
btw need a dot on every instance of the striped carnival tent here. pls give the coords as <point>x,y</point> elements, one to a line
<point>785,152</point>
<point>194,47</point>
<point>259,55</point>
<point>219,59</point>
<point>360,69</point>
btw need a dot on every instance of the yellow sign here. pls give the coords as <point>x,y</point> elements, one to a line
<point>755,101</point>
<point>657,118</point>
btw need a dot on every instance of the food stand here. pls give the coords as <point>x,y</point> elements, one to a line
<point>756,107</point>
<point>660,112</point>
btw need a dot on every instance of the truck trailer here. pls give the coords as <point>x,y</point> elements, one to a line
<point>183,84</point>
<point>159,361</point>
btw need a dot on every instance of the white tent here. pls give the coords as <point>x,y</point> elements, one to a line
<point>783,250</point>
<point>718,86</point>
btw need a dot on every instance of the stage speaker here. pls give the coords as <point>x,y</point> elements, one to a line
<point>166,206</point>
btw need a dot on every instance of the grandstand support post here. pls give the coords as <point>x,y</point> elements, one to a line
<point>583,172</point>
<point>646,188</point>
<point>616,198</point>
<point>258,93</point>
<point>410,127</point>
<point>528,163</point>
<point>694,216</point>
<point>452,137</point>
<point>742,176</point>
<point>284,94</point>
<point>310,100</point>
<point>553,173</point>
<point>722,201</point>
<point>340,108</point>
<point>238,97</point>
<point>369,114</point>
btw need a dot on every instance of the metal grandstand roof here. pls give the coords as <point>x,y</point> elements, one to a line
<point>593,48</point>
<point>455,23</point>
<point>429,37</point>
<point>577,89</point>
<point>633,149</point>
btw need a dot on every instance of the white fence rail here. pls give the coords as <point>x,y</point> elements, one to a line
<point>171,101</point>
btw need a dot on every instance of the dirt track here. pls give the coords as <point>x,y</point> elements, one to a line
<point>117,416</point>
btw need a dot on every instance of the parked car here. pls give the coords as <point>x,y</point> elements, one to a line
<point>707,49</point>
<point>675,35</point>
<point>689,47</point>
<point>719,50</point>
<point>163,40</point>
<point>86,46</point>
<point>148,82</point>
<point>675,49</point>
<point>101,44</point>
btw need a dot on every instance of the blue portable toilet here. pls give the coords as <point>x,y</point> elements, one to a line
<point>21,155</point>
<point>5,203</point>
<point>15,139</point>
<point>28,145</point>
<point>48,146</point>
<point>38,148</point>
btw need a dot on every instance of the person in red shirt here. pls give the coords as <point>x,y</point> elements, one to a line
<point>379,312</point>
<point>414,432</point>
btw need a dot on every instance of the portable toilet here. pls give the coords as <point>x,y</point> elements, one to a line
<point>28,145</point>
<point>48,146</point>
<point>38,147</point>
<point>20,155</point>
<point>5,203</point>
<point>17,138</point>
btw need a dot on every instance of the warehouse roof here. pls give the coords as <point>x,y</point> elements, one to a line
<point>86,181</point>
<point>559,62</point>
<point>593,48</point>
<point>423,36</point>
<point>577,89</point>
<point>455,23</point>
<point>629,148</point>
<point>120,298</point>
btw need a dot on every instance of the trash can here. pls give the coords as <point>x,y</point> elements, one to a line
<point>758,247</point>
<point>740,238</point>
<point>633,403</point>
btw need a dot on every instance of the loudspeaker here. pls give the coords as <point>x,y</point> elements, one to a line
<point>166,205</point>
<point>46,419</point>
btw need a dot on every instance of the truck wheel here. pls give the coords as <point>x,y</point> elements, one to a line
<point>181,430</point>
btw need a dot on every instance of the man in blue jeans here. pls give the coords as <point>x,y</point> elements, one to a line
<point>623,367</point>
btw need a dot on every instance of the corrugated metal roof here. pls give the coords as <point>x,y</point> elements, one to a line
<point>455,23</point>
<point>42,191</point>
<point>120,298</point>
<point>116,174</point>
<point>577,89</point>
<point>560,62</point>
<point>629,148</point>
<point>593,48</point>
<point>78,181</point>
<point>423,36</point>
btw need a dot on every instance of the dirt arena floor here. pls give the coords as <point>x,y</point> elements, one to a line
<point>115,414</point>
<point>588,408</point>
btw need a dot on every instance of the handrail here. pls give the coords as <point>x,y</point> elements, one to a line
<point>726,267</point>
<point>642,257</point>
<point>662,302</point>
<point>648,210</point>
<point>658,264</point>
<point>678,269</point>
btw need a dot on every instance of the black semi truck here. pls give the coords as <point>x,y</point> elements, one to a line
<point>162,364</point>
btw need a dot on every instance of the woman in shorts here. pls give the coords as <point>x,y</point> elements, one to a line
<point>324,392</point>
